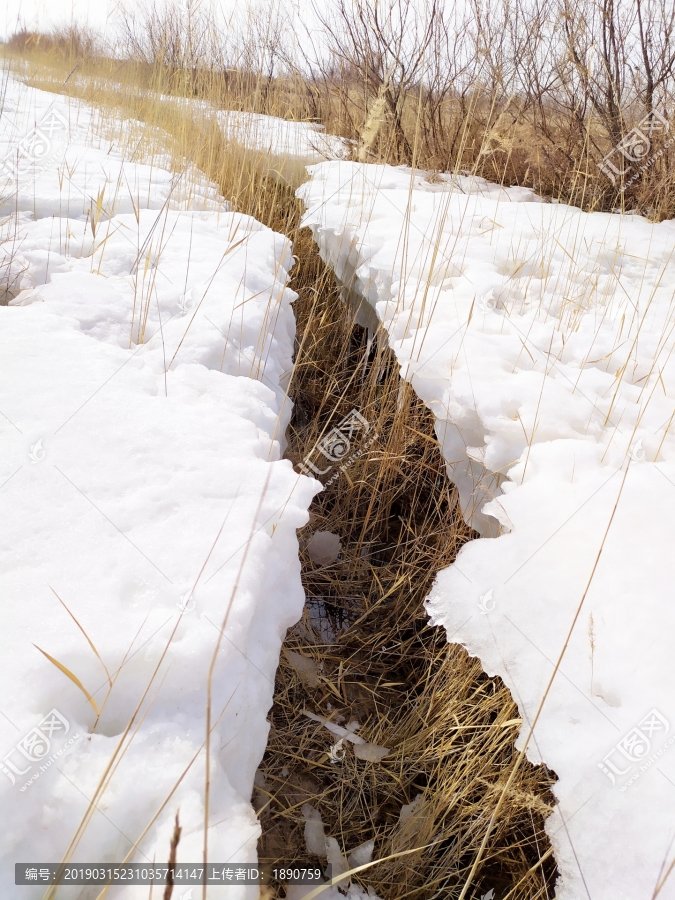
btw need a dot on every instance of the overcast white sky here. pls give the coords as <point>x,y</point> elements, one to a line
<point>41,14</point>
<point>100,14</point>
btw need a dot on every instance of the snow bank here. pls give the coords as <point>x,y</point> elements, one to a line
<point>542,339</point>
<point>148,524</point>
<point>287,147</point>
<point>60,158</point>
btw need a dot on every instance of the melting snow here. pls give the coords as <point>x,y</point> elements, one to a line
<point>144,350</point>
<point>542,338</point>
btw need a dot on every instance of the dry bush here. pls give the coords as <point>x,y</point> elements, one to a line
<point>64,43</point>
<point>529,92</point>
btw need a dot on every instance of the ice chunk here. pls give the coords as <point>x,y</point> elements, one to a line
<point>324,547</point>
<point>315,837</point>
<point>304,666</point>
<point>370,752</point>
<point>361,855</point>
<point>336,858</point>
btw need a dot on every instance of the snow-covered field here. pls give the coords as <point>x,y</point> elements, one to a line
<point>148,527</point>
<point>542,338</point>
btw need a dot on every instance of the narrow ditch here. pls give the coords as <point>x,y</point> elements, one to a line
<point>363,650</point>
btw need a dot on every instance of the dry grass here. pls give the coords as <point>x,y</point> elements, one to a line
<point>450,727</point>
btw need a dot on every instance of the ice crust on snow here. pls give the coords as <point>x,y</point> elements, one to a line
<point>145,355</point>
<point>542,339</point>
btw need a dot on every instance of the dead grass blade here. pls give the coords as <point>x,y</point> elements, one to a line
<point>76,681</point>
<point>87,638</point>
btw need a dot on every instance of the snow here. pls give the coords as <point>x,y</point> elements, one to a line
<point>64,158</point>
<point>282,148</point>
<point>320,844</point>
<point>274,135</point>
<point>287,147</point>
<point>146,351</point>
<point>542,339</point>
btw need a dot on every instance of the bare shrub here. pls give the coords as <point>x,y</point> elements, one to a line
<point>70,42</point>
